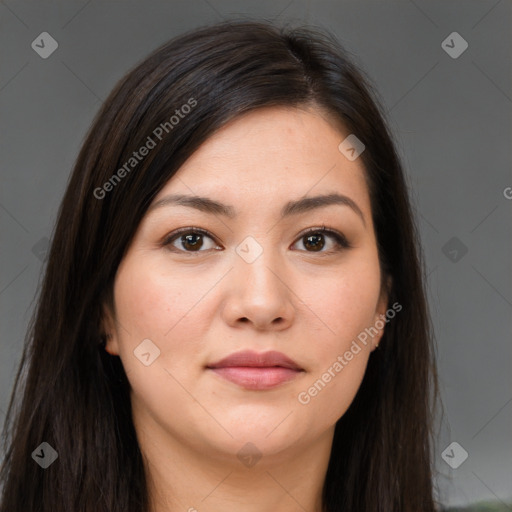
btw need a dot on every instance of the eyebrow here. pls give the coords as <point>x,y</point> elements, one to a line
<point>299,206</point>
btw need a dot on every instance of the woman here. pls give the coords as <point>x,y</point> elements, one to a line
<point>233,314</point>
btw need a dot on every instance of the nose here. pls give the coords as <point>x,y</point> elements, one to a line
<point>259,295</point>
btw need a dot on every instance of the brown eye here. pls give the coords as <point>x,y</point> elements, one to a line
<point>188,240</point>
<point>314,240</point>
<point>192,241</point>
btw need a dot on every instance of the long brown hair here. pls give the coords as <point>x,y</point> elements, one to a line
<point>74,396</point>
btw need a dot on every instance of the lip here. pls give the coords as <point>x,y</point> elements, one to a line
<point>256,371</point>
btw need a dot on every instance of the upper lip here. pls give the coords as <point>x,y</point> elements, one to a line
<point>255,359</point>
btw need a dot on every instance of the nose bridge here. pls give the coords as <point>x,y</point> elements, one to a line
<point>259,265</point>
<point>261,294</point>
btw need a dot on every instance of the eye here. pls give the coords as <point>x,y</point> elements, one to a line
<point>314,238</point>
<point>190,239</point>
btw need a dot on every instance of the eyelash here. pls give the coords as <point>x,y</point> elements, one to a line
<point>340,240</point>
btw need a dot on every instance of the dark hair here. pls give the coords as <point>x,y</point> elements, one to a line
<point>75,395</point>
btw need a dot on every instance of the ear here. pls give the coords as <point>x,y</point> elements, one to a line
<point>385,291</point>
<point>109,331</point>
<point>382,306</point>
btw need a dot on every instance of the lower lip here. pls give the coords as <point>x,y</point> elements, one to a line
<point>257,378</point>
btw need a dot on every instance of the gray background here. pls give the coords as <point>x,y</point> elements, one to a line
<point>452,120</point>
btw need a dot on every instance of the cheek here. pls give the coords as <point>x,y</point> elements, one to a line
<point>153,306</point>
<point>344,303</point>
<point>151,302</point>
<point>327,395</point>
<point>167,308</point>
<point>344,307</point>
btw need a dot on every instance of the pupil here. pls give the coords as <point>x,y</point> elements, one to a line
<point>316,246</point>
<point>192,243</point>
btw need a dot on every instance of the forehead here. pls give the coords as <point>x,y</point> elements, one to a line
<point>269,156</point>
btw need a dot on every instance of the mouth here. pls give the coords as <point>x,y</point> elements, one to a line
<point>254,371</point>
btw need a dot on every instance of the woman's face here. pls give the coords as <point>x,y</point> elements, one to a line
<point>255,282</point>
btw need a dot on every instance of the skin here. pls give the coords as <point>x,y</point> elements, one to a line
<point>200,306</point>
